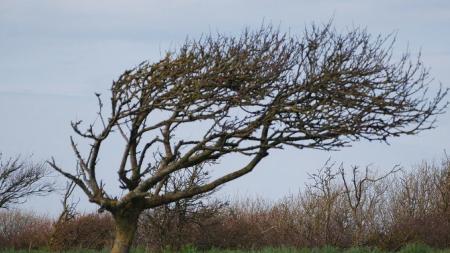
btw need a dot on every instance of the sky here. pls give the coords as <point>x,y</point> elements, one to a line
<point>54,55</point>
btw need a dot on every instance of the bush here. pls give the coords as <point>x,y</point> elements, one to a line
<point>407,208</point>
<point>22,230</point>
<point>90,231</point>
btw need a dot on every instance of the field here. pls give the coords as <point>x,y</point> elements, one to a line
<point>413,248</point>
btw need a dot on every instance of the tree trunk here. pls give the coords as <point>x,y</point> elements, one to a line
<point>126,225</point>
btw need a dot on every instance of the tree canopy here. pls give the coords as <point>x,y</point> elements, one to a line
<point>247,95</point>
<point>20,179</point>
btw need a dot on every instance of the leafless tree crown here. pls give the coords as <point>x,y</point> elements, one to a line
<point>20,179</point>
<point>247,95</point>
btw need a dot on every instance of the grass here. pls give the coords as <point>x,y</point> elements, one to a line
<point>413,248</point>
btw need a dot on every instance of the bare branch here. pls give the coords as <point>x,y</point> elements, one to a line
<point>20,179</point>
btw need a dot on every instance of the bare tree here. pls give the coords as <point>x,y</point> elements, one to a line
<point>20,179</point>
<point>69,207</point>
<point>68,213</point>
<point>363,194</point>
<point>320,201</point>
<point>245,96</point>
<point>442,184</point>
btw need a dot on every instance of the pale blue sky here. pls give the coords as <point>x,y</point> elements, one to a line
<point>55,54</point>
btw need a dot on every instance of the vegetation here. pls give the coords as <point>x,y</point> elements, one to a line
<point>387,212</point>
<point>20,179</point>
<point>246,96</point>
<point>413,248</point>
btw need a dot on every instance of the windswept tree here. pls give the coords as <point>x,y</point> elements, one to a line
<point>20,179</point>
<point>246,96</point>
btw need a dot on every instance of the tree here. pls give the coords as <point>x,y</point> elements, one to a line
<point>20,179</point>
<point>363,193</point>
<point>245,96</point>
<point>321,202</point>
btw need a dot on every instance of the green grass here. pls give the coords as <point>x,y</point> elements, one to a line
<point>413,248</point>
<point>45,251</point>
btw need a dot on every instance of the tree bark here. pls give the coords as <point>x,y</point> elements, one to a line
<point>126,226</point>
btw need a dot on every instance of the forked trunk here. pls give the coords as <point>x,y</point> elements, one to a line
<point>126,225</point>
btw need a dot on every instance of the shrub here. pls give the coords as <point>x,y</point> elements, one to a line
<point>23,230</point>
<point>90,231</point>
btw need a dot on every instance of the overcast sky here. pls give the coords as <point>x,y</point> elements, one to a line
<point>55,54</point>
